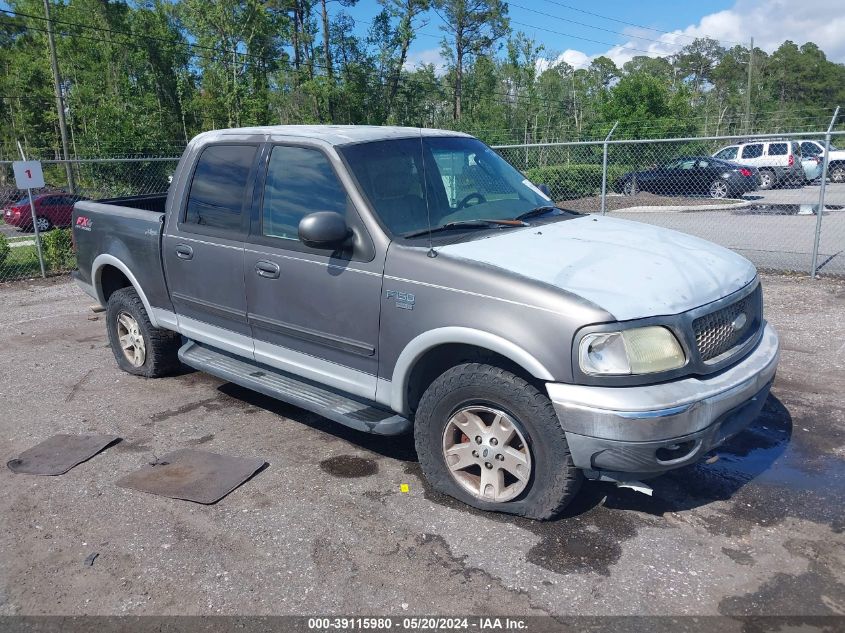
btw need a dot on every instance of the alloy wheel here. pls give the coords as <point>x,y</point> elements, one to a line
<point>43,224</point>
<point>719,189</point>
<point>486,453</point>
<point>131,340</point>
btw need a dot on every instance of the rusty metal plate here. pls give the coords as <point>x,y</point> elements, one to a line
<point>58,454</point>
<point>193,475</point>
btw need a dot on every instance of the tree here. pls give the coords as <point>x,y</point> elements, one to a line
<point>472,28</point>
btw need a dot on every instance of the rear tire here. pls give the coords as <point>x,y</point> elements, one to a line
<point>630,187</point>
<point>43,224</point>
<point>767,179</point>
<point>550,480</point>
<point>138,347</point>
<point>719,189</point>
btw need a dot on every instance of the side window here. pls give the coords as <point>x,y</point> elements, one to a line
<point>777,149</point>
<point>217,191</point>
<point>729,153</point>
<point>703,164</point>
<point>300,181</point>
<point>754,150</point>
<point>810,149</point>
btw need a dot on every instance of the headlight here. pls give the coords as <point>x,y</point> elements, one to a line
<point>643,350</point>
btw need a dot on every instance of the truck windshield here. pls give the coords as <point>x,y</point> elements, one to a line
<point>463,179</point>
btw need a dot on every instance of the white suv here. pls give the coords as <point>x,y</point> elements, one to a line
<point>779,162</point>
<point>836,160</point>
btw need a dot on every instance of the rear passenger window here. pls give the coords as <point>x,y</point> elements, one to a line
<point>777,149</point>
<point>217,191</point>
<point>752,151</point>
<point>299,181</point>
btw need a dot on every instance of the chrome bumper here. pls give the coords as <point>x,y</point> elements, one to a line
<point>652,428</point>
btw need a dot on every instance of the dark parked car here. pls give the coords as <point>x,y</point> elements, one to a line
<point>51,209</point>
<point>692,175</point>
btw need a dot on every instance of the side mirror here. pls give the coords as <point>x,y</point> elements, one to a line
<point>324,229</point>
<point>545,189</point>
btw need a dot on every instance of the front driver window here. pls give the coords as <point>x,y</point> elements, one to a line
<point>300,181</point>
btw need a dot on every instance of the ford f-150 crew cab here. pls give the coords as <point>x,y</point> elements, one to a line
<point>396,279</point>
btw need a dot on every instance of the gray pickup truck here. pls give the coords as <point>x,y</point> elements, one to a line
<point>397,279</point>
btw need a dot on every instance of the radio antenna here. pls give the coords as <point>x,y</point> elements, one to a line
<point>431,251</point>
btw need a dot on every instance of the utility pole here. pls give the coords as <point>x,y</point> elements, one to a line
<point>60,105</point>
<point>747,89</point>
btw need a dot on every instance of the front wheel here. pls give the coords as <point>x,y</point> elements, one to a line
<point>837,173</point>
<point>630,187</point>
<point>492,440</point>
<point>138,347</point>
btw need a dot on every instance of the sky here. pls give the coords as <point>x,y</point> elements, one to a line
<point>580,30</point>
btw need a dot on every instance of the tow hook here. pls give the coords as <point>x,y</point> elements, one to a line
<point>620,480</point>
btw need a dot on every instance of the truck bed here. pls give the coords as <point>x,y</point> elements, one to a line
<point>127,230</point>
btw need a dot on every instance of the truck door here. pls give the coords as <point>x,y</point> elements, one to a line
<point>314,313</point>
<point>203,248</point>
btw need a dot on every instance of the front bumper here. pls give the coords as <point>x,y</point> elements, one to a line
<point>652,428</point>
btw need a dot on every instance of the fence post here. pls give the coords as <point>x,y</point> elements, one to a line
<point>822,187</point>
<point>604,170</point>
<point>36,233</point>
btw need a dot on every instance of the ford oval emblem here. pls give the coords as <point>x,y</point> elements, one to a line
<point>739,322</point>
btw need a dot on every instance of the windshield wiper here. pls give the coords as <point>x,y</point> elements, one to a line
<point>541,210</point>
<point>468,224</point>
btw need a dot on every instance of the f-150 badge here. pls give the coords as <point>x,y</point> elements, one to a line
<point>404,300</point>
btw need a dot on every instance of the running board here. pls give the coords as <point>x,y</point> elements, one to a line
<point>282,386</point>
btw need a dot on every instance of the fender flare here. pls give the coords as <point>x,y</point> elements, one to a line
<point>105,259</point>
<point>419,345</point>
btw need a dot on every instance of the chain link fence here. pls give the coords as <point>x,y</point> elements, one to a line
<point>90,179</point>
<point>759,196</point>
<point>763,197</point>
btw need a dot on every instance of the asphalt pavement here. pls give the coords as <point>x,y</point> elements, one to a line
<point>327,529</point>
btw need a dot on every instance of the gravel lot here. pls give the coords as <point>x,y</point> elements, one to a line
<point>325,528</point>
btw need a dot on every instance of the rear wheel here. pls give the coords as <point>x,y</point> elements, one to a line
<point>138,347</point>
<point>767,179</point>
<point>492,440</point>
<point>837,173</point>
<point>43,224</point>
<point>719,189</point>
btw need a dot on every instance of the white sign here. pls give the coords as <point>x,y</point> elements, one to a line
<point>28,174</point>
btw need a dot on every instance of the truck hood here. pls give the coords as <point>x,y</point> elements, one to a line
<point>630,269</point>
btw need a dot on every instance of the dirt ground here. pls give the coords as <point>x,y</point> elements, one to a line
<point>325,529</point>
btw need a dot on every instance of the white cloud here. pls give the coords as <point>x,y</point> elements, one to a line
<point>427,56</point>
<point>769,22</point>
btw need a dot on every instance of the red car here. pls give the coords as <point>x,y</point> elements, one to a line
<point>51,209</point>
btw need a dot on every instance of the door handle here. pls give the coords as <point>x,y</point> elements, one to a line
<point>184,252</point>
<point>267,269</point>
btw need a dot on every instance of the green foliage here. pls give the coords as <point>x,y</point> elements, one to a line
<point>58,250</point>
<point>567,182</point>
<point>4,248</point>
<point>144,77</point>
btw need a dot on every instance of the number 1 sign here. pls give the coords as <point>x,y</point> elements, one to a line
<point>28,174</point>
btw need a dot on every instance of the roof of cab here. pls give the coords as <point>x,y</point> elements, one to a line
<point>332,134</point>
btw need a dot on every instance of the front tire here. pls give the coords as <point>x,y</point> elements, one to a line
<point>837,173</point>
<point>492,440</point>
<point>138,347</point>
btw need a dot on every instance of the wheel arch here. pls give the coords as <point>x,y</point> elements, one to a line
<point>109,274</point>
<point>431,353</point>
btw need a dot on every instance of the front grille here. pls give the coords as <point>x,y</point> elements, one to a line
<point>718,332</point>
